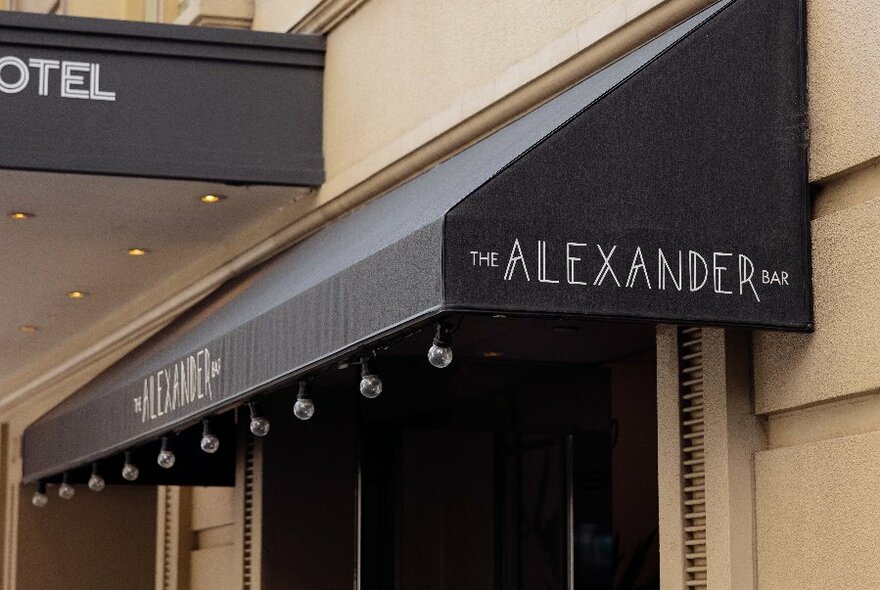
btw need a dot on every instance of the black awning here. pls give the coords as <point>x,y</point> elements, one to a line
<point>670,186</point>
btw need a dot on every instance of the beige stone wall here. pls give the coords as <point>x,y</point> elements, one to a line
<point>137,10</point>
<point>844,86</point>
<point>843,356</point>
<point>116,9</point>
<point>818,515</point>
<point>30,5</point>
<point>816,485</point>
<point>213,558</point>
<point>397,63</point>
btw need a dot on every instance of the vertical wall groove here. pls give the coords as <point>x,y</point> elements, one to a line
<point>167,541</point>
<point>691,404</point>
<point>248,502</point>
<point>247,549</point>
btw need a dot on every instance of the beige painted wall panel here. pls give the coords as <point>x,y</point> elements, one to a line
<point>31,5</point>
<point>842,357</point>
<point>844,78</point>
<point>669,469</point>
<point>852,415</point>
<point>818,515</point>
<point>117,9</point>
<point>94,541</point>
<point>212,569</point>
<point>431,53</point>
<point>211,507</point>
<point>847,190</point>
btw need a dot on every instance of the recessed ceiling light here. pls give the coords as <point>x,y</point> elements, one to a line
<point>20,215</point>
<point>28,329</point>
<point>211,198</point>
<point>137,251</point>
<point>77,294</point>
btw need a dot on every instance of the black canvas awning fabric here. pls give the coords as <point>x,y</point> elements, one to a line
<point>670,186</point>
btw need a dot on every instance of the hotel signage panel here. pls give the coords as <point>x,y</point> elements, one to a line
<point>142,100</point>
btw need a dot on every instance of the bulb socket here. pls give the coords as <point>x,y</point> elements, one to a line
<point>65,490</point>
<point>40,499</point>
<point>365,367</point>
<point>442,335</point>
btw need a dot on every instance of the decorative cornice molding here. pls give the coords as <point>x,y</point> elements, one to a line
<point>210,13</point>
<point>325,16</point>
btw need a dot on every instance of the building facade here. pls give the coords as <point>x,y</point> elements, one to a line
<point>762,471</point>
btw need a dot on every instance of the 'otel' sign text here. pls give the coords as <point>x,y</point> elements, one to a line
<point>72,79</point>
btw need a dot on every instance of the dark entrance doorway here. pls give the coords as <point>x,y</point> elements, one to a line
<point>502,475</point>
<point>530,463</point>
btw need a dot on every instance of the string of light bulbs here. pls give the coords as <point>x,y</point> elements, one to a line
<point>439,356</point>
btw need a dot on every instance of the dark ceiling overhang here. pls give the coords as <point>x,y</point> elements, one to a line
<point>147,100</point>
<point>660,189</point>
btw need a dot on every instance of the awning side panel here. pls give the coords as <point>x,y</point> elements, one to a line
<point>689,178</point>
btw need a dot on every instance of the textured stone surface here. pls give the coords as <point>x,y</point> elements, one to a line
<point>431,54</point>
<point>818,515</point>
<point>844,82</point>
<point>842,357</point>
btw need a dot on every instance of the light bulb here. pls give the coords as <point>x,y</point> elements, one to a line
<point>371,385</point>
<point>65,490</point>
<point>130,472</point>
<point>440,356</point>
<point>40,499</point>
<point>209,443</point>
<point>96,482</point>
<point>440,353</point>
<point>166,457</point>
<point>259,424</point>
<point>304,408</point>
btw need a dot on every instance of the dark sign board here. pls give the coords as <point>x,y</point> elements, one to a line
<point>145,100</point>
<point>670,186</point>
